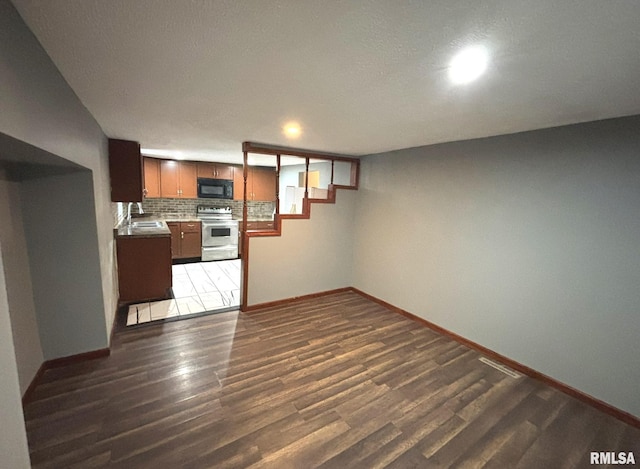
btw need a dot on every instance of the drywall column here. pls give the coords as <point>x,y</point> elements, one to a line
<point>24,325</point>
<point>60,228</point>
<point>14,452</point>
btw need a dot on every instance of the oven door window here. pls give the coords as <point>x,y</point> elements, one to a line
<point>218,232</point>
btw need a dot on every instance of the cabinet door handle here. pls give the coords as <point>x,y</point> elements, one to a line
<point>182,235</point>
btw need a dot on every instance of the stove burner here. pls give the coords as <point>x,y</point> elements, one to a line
<point>214,213</point>
<point>206,209</point>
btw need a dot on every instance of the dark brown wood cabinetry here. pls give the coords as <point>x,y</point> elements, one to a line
<point>125,170</point>
<point>174,227</point>
<point>238,183</point>
<point>191,239</point>
<point>186,239</point>
<point>215,171</point>
<point>151,178</point>
<point>261,225</point>
<point>178,179</point>
<point>144,268</point>
<point>261,183</point>
<point>264,184</point>
<point>155,178</point>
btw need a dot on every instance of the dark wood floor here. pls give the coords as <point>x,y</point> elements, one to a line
<point>332,382</point>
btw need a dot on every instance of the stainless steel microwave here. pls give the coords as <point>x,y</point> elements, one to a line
<point>215,188</point>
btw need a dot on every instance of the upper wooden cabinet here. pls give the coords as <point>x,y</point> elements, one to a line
<point>178,179</point>
<point>238,183</point>
<point>151,178</point>
<point>261,183</point>
<point>125,170</point>
<point>215,170</point>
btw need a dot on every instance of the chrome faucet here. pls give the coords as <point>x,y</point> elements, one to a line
<point>140,211</point>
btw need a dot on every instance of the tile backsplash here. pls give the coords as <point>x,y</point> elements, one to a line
<point>187,207</point>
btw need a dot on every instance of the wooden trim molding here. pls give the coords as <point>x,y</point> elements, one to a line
<point>286,301</point>
<point>80,357</point>
<point>59,362</point>
<point>264,149</point>
<point>581,396</point>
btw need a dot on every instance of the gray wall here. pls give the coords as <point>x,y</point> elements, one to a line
<point>60,228</point>
<point>13,439</point>
<point>24,326</point>
<point>528,244</point>
<point>311,256</point>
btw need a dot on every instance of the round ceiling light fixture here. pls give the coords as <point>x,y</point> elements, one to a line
<point>292,130</point>
<point>468,64</point>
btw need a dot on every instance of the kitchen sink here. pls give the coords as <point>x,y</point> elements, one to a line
<point>146,224</point>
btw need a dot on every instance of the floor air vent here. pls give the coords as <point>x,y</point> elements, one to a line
<point>500,367</point>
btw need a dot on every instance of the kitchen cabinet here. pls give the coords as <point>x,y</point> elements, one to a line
<point>215,171</point>
<point>261,183</point>
<point>186,239</point>
<point>178,179</point>
<point>191,239</point>
<point>238,183</point>
<point>264,184</point>
<point>144,268</point>
<point>125,171</point>
<point>261,225</point>
<point>151,178</point>
<point>174,227</point>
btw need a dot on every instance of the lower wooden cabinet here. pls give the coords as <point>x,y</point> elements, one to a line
<point>144,268</point>
<point>260,225</point>
<point>186,239</point>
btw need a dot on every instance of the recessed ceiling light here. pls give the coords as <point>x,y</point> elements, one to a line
<point>292,130</point>
<point>468,65</point>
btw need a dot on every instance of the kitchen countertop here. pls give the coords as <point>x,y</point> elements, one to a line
<point>127,230</point>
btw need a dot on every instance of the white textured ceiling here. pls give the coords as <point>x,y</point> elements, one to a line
<point>201,76</point>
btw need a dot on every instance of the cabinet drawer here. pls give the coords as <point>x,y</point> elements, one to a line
<point>260,225</point>
<point>190,227</point>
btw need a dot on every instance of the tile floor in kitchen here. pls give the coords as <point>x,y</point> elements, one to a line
<point>197,287</point>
